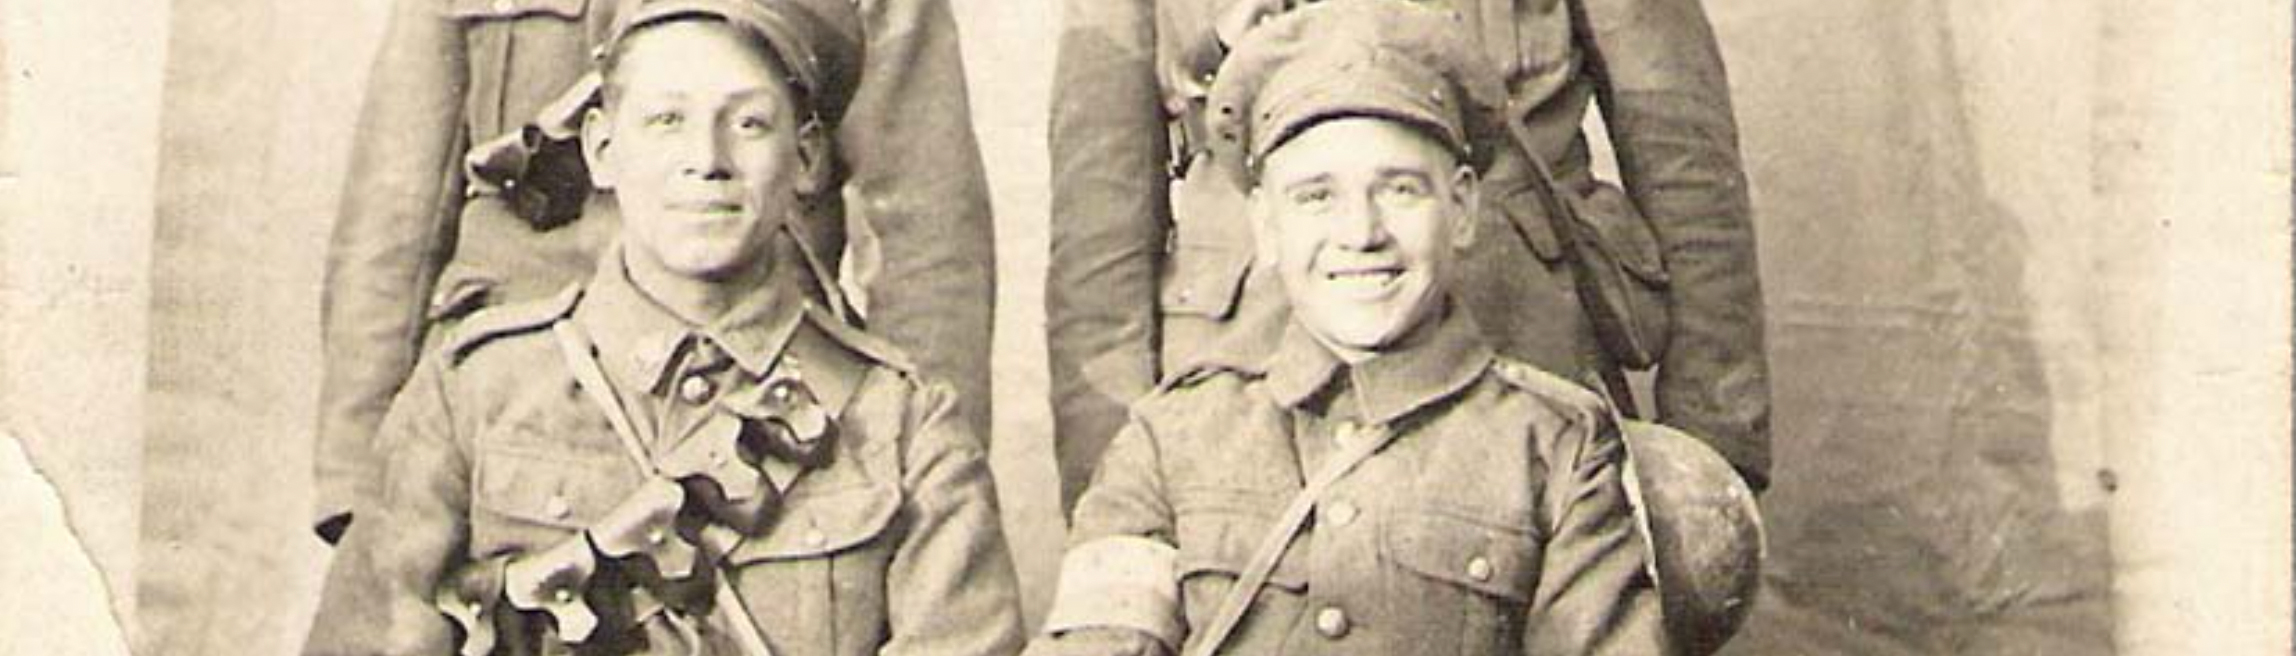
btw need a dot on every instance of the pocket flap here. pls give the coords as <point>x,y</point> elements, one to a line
<point>1494,560</point>
<point>1623,233</point>
<point>515,8</point>
<point>550,489</point>
<point>1205,279</point>
<point>821,522</point>
<point>1220,529</point>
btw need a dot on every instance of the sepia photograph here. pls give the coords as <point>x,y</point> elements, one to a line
<point>1147,327</point>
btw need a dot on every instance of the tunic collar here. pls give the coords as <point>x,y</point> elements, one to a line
<point>645,342</point>
<point>1428,366</point>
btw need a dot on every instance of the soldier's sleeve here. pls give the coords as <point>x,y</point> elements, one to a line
<point>951,586</point>
<point>916,180</point>
<point>389,240</point>
<point>377,597</point>
<point>1119,589</point>
<point>1594,595</point>
<point>1666,99</point>
<point>1109,190</point>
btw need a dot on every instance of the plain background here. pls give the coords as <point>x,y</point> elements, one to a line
<point>2026,262</point>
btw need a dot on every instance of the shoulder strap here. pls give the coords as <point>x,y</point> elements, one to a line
<point>1272,547</point>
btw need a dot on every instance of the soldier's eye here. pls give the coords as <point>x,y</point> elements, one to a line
<point>753,125</point>
<point>1406,188</point>
<point>664,119</point>
<point>1311,197</point>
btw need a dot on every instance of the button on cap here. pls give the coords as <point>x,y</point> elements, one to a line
<point>1331,622</point>
<point>1479,568</point>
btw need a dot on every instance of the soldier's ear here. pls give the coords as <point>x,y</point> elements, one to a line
<point>1466,198</point>
<point>597,138</point>
<point>815,160</point>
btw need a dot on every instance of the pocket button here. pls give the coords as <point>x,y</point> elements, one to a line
<point>1479,569</point>
<point>1331,622</point>
<point>696,390</point>
<point>557,507</point>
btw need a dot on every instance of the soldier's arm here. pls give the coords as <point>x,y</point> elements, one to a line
<point>389,241</point>
<point>1109,189</point>
<point>1594,596</point>
<point>951,587</point>
<point>1666,99</point>
<point>379,589</point>
<point>1119,592</point>
<point>916,180</point>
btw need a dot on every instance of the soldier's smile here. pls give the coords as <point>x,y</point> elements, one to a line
<point>708,211</point>
<point>1365,282</point>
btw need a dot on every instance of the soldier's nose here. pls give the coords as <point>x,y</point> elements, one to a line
<point>1358,227</point>
<point>705,156</point>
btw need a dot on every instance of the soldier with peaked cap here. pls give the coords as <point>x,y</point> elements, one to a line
<point>1385,482</point>
<point>1148,277</point>
<point>467,190</point>
<point>688,453</point>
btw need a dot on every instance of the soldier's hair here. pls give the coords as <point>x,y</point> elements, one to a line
<point>610,63</point>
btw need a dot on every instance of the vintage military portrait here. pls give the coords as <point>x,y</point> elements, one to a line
<point>1146,327</point>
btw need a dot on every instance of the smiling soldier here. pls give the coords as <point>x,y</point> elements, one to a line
<point>1385,484</point>
<point>684,455</point>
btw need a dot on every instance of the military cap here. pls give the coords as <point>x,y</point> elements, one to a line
<point>1408,61</point>
<point>817,41</point>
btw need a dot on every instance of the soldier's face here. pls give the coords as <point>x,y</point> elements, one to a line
<point>1362,217</point>
<point>701,145</point>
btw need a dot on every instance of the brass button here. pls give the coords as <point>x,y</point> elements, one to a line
<point>1331,622</point>
<point>696,389</point>
<point>1479,569</point>
<point>564,596</point>
<point>814,539</point>
<point>557,507</point>
<point>1346,433</point>
<point>655,537</point>
<point>1340,513</point>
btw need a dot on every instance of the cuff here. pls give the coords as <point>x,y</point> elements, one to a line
<point>1122,582</point>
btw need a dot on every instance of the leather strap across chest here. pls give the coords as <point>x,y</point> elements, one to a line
<point>1272,547</point>
<point>581,358</point>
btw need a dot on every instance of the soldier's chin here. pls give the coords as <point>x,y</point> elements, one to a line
<point>1368,329</point>
<point>714,263</point>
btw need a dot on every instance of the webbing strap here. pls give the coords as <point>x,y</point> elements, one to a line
<point>1272,547</point>
<point>576,348</point>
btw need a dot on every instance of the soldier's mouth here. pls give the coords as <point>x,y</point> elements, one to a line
<point>1365,275</point>
<point>707,207</point>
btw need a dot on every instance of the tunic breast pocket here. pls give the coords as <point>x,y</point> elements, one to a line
<point>816,580</point>
<point>526,498</point>
<point>1473,573</point>
<point>1218,530</point>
